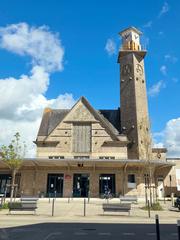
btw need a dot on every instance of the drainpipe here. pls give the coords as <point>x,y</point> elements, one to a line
<point>124,178</point>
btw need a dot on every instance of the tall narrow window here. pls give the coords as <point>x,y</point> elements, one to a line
<point>81,137</point>
<point>131,181</point>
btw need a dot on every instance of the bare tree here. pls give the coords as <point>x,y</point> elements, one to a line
<point>146,154</point>
<point>13,155</point>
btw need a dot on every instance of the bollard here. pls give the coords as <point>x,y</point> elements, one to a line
<point>157,227</point>
<point>88,196</point>
<point>49,198</point>
<point>84,207</point>
<point>53,207</point>
<point>68,199</point>
<point>178,228</point>
<point>172,199</point>
<point>149,213</point>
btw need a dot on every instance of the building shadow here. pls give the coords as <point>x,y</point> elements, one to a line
<point>73,231</point>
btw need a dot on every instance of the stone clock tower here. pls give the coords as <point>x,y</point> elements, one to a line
<point>133,97</point>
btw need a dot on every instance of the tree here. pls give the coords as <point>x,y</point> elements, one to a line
<point>146,153</point>
<point>13,155</point>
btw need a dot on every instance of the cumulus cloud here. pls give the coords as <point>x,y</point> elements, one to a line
<point>170,137</point>
<point>37,42</point>
<point>25,97</point>
<point>163,70</point>
<point>164,9</point>
<point>110,47</point>
<point>156,88</point>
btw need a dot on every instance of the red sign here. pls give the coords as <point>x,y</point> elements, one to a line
<point>67,177</point>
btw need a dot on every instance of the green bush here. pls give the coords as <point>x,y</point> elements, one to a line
<point>5,206</point>
<point>154,207</point>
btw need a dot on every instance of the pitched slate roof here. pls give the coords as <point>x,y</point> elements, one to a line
<point>52,117</point>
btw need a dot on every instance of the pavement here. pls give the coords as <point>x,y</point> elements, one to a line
<point>88,231</point>
<point>72,211</point>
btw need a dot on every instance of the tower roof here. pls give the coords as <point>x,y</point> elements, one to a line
<point>130,29</point>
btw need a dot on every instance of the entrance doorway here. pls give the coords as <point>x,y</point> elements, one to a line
<point>5,181</point>
<point>107,183</point>
<point>55,185</point>
<point>80,185</point>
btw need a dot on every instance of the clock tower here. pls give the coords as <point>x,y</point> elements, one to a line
<point>133,96</point>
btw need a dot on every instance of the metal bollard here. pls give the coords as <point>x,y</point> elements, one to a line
<point>157,227</point>
<point>53,207</point>
<point>149,213</point>
<point>68,199</point>
<point>84,207</point>
<point>178,228</point>
<point>88,196</point>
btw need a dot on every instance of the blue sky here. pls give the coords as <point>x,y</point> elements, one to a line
<point>83,29</point>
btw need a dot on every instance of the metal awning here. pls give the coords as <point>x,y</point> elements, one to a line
<point>45,162</point>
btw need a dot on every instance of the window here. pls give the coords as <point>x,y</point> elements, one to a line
<point>131,181</point>
<point>56,157</point>
<point>81,157</point>
<point>146,179</point>
<point>106,157</point>
<point>82,137</point>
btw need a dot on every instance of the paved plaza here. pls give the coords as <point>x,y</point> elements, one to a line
<point>73,211</point>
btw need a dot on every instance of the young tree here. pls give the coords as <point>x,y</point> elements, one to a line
<point>13,155</point>
<point>146,152</point>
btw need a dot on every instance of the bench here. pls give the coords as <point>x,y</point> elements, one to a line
<point>122,207</point>
<point>25,204</point>
<point>130,199</point>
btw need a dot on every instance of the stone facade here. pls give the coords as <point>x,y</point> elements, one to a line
<point>82,151</point>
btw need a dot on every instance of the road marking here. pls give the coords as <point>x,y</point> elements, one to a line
<point>151,234</point>
<point>52,234</point>
<point>104,233</point>
<point>80,233</point>
<point>129,234</point>
<point>22,230</point>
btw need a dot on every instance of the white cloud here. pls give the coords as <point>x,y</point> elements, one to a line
<point>148,24</point>
<point>170,137</point>
<point>23,99</point>
<point>110,47</point>
<point>37,42</point>
<point>170,58</point>
<point>164,9</point>
<point>156,88</point>
<point>163,70</point>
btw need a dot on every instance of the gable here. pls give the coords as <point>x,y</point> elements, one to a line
<point>80,113</point>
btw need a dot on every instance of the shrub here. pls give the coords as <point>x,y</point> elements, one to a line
<point>154,207</point>
<point>5,206</point>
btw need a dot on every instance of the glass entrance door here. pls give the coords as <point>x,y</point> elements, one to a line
<point>107,184</point>
<point>5,181</point>
<point>80,185</point>
<point>55,185</point>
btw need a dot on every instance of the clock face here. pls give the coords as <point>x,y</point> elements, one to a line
<point>136,37</point>
<point>126,69</point>
<point>127,35</point>
<point>139,69</point>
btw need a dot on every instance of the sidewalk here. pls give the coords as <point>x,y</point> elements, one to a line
<point>74,212</point>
